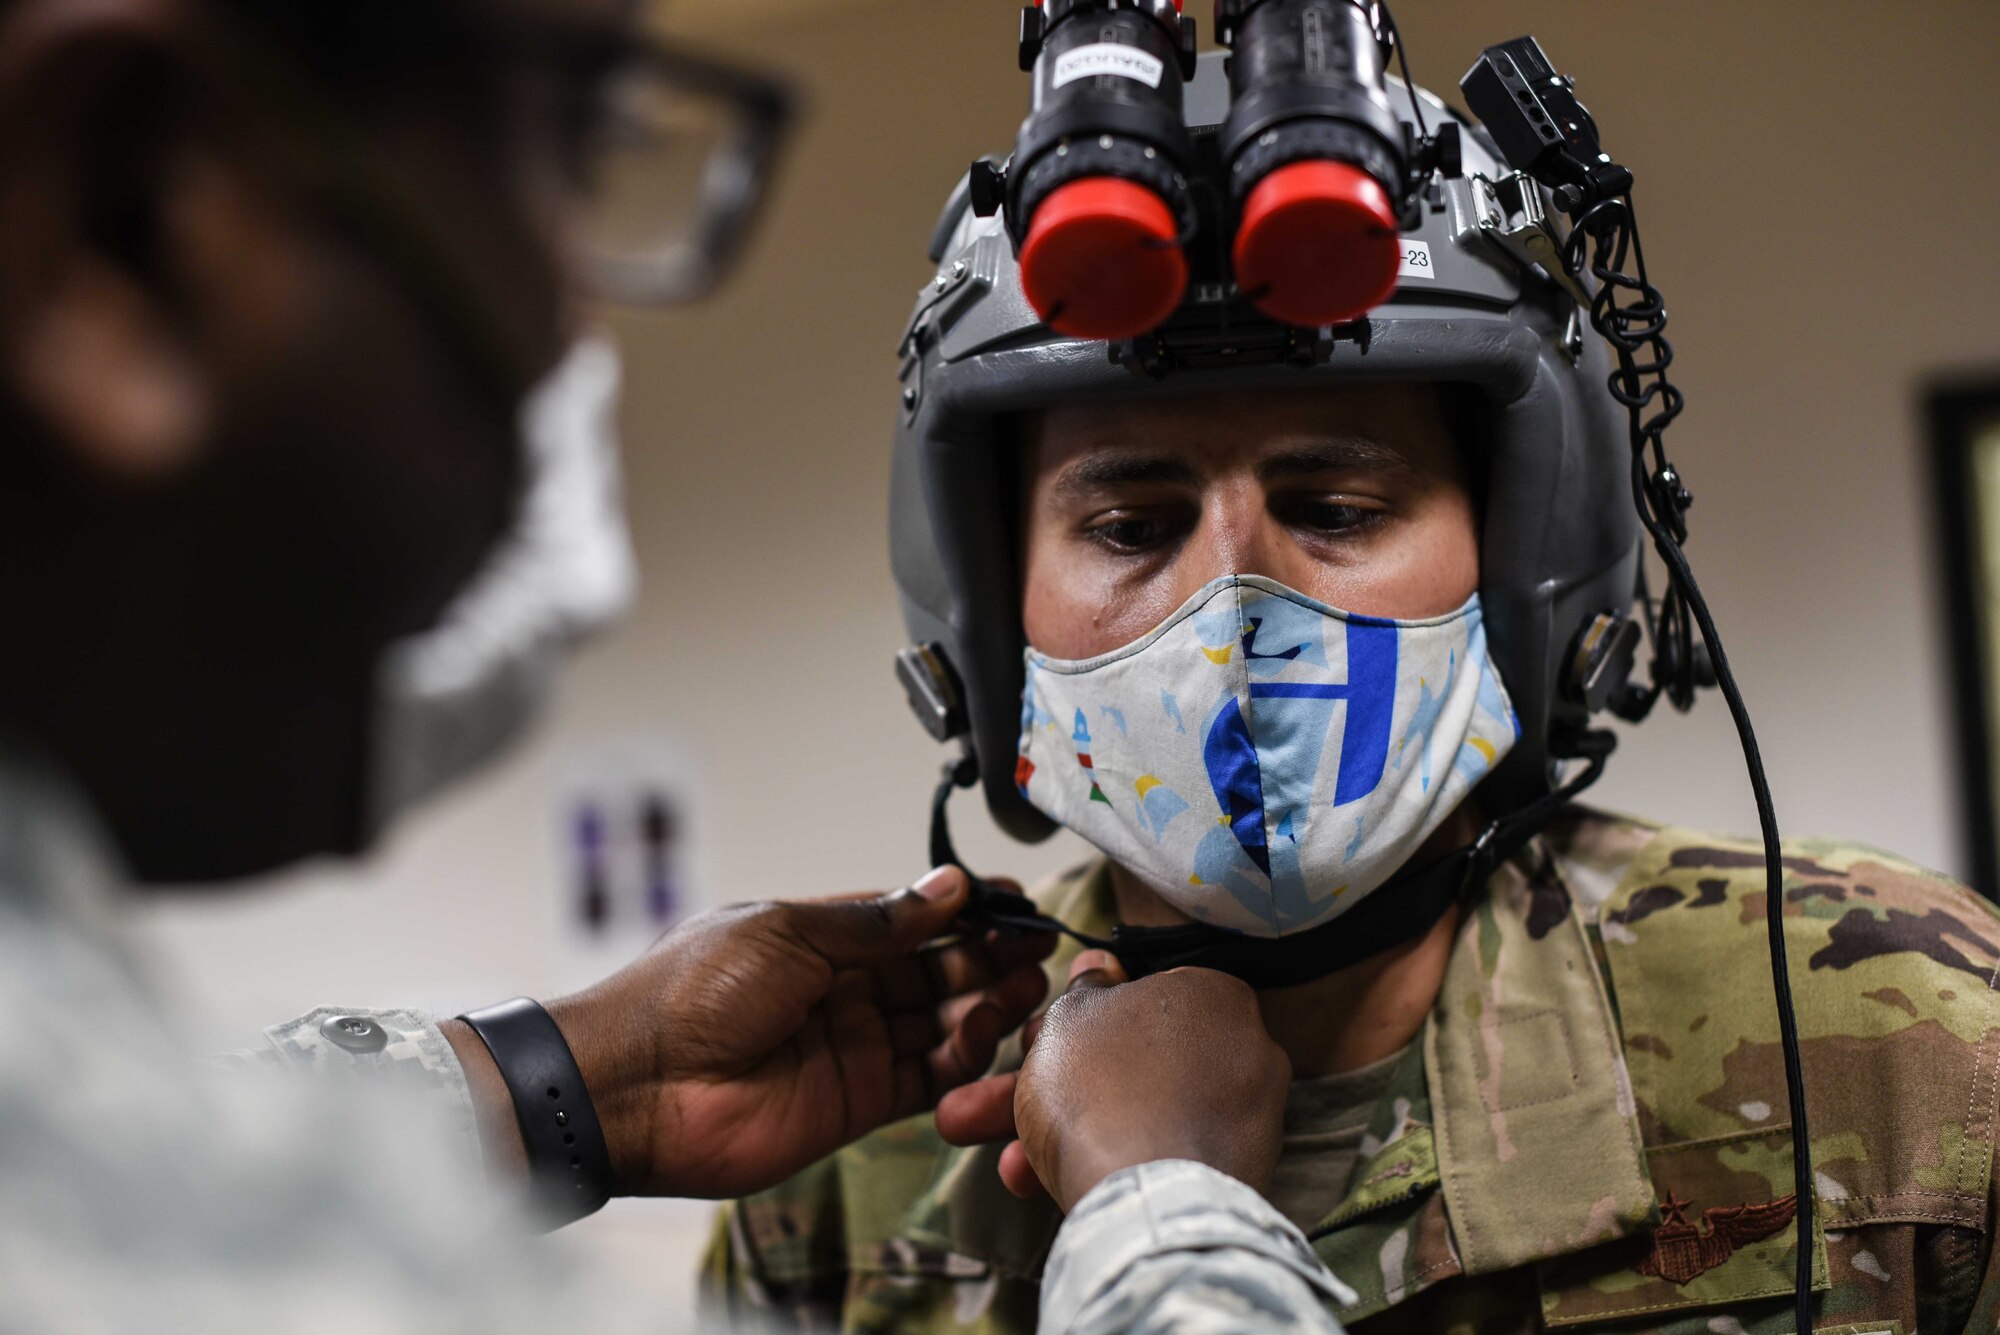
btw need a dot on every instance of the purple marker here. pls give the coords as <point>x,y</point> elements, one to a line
<point>587,830</point>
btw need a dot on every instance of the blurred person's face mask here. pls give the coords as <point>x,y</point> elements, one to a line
<point>1263,761</point>
<point>449,698</point>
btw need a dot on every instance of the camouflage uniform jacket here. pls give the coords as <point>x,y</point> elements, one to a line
<point>1591,1134</point>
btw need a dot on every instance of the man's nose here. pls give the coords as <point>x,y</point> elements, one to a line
<point>1236,536</point>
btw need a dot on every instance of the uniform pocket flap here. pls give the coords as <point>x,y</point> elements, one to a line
<point>1727,1234</point>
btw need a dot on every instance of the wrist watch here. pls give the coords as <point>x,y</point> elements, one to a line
<point>569,1164</point>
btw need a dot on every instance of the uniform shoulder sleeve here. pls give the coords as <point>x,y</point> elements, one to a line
<point>1893,972</point>
<point>1179,1246</point>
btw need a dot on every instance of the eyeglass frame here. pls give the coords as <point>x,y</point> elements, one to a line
<point>374,209</point>
<point>762,110</point>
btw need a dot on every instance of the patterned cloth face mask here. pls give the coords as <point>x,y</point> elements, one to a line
<point>1262,760</point>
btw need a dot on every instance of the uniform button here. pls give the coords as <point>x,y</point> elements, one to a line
<point>355,1033</point>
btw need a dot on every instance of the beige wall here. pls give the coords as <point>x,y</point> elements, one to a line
<point>1818,188</point>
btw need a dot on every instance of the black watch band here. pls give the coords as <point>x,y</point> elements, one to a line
<point>568,1161</point>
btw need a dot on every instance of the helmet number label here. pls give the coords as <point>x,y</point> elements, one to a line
<point>1126,62</point>
<point>1416,260</point>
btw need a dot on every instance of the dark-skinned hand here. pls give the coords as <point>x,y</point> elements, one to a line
<point>1174,1066</point>
<point>752,1041</point>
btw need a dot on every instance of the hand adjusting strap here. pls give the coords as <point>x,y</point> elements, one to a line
<point>568,1161</point>
<point>1403,908</point>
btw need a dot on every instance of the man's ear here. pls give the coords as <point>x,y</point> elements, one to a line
<point>98,338</point>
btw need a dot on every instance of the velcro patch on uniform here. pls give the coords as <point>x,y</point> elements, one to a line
<point>1397,1172</point>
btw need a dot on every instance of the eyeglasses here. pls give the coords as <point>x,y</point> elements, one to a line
<point>669,155</point>
<point>678,151</point>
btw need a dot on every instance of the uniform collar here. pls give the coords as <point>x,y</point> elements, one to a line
<point>1538,1141</point>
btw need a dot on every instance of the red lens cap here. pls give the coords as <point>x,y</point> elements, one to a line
<point>1103,260</point>
<point>1317,243</point>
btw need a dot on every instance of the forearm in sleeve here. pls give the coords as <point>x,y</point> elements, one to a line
<point>401,1048</point>
<point>1177,1246</point>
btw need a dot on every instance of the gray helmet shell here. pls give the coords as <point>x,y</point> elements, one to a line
<point>1559,538</point>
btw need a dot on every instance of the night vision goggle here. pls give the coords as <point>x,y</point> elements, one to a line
<point>1297,199</point>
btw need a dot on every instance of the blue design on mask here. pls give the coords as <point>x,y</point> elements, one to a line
<point>1280,634</point>
<point>1490,698</point>
<point>1219,860</point>
<point>1173,709</point>
<point>1268,783</point>
<point>1219,630</point>
<point>1033,715</point>
<point>1231,759</point>
<point>1370,693</point>
<point>1158,807</point>
<point>1262,663</point>
<point>1424,722</point>
<point>1117,716</point>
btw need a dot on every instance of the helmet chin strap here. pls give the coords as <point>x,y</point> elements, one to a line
<point>1404,908</point>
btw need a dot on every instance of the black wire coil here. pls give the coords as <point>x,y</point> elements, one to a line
<point>1629,313</point>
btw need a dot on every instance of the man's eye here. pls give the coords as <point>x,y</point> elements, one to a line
<point>1333,516</point>
<point>1129,534</point>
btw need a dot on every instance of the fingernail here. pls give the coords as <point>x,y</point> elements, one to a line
<point>1088,960</point>
<point>939,883</point>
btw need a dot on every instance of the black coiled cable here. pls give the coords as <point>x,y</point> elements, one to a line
<point>1628,312</point>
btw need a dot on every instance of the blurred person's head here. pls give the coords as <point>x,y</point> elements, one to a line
<point>275,280</point>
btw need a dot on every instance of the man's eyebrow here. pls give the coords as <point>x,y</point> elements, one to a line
<point>1101,472</point>
<point>1334,456</point>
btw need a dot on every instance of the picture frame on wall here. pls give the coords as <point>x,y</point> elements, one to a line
<point>1963,416</point>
